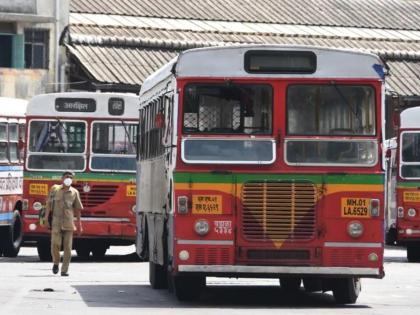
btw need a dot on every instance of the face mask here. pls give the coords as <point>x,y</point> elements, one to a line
<point>67,181</point>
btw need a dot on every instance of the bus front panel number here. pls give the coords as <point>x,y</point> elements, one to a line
<point>355,207</point>
<point>206,204</point>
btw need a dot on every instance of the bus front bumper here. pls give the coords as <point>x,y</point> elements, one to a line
<point>275,271</point>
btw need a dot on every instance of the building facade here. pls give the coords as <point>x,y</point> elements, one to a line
<point>31,60</point>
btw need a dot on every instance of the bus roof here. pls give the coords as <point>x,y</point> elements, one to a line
<point>410,118</point>
<point>12,107</point>
<point>228,62</point>
<point>85,105</point>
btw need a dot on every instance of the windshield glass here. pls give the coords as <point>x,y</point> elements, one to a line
<point>3,152</point>
<point>330,110</point>
<point>410,155</point>
<point>57,136</point>
<point>215,108</point>
<point>113,146</point>
<point>323,152</point>
<point>3,131</point>
<point>228,151</point>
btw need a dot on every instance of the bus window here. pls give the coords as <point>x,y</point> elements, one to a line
<point>228,108</point>
<point>3,131</point>
<point>410,155</point>
<point>57,145</point>
<point>113,146</point>
<point>3,152</point>
<point>337,110</point>
<point>13,132</point>
<point>57,136</point>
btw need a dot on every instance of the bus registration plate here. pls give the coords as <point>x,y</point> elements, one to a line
<point>355,207</point>
<point>38,189</point>
<point>411,196</point>
<point>206,204</point>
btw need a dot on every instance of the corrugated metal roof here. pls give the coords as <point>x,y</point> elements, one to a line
<point>180,39</point>
<point>389,14</point>
<point>122,65</point>
<point>404,77</point>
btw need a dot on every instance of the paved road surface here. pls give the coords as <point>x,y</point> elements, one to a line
<point>119,285</point>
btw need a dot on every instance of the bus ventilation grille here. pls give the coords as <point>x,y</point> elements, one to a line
<point>99,194</point>
<point>212,256</point>
<point>278,210</point>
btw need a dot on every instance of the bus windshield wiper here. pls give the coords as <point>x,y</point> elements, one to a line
<point>128,136</point>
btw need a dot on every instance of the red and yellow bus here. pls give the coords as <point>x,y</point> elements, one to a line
<point>263,161</point>
<point>408,183</point>
<point>12,133</point>
<point>94,135</point>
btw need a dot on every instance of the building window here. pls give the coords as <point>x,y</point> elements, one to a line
<point>36,49</point>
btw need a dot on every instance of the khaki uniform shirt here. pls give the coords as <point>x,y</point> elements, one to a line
<point>63,204</point>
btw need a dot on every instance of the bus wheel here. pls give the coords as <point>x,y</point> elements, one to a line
<point>312,284</point>
<point>83,252</point>
<point>346,290</point>
<point>99,251</point>
<point>290,284</point>
<point>413,252</point>
<point>43,247</point>
<point>188,288</point>
<point>157,276</point>
<point>12,236</point>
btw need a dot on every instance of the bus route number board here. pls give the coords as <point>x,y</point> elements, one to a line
<point>355,207</point>
<point>38,189</point>
<point>207,204</point>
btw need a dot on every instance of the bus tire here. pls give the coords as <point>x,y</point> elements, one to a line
<point>12,236</point>
<point>157,276</point>
<point>413,252</point>
<point>83,252</point>
<point>188,288</point>
<point>290,284</point>
<point>312,284</point>
<point>346,290</point>
<point>99,251</point>
<point>43,247</point>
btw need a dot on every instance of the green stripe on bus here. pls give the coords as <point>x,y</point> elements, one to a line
<point>80,176</point>
<point>408,185</point>
<point>371,179</point>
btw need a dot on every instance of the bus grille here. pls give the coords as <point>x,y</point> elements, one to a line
<point>98,194</point>
<point>278,210</point>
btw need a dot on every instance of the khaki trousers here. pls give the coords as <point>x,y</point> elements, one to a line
<point>58,238</point>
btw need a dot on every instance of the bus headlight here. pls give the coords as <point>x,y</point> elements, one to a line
<point>411,212</point>
<point>201,227</point>
<point>37,206</point>
<point>134,208</point>
<point>355,229</point>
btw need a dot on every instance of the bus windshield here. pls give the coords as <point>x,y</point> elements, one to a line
<point>57,145</point>
<point>231,108</point>
<point>113,146</point>
<point>410,155</point>
<point>331,110</point>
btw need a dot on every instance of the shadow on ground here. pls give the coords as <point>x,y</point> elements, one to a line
<point>236,297</point>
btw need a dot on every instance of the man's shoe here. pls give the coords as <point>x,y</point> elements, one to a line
<point>64,274</point>
<point>55,269</point>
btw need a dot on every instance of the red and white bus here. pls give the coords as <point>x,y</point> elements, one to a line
<point>263,161</point>
<point>94,135</point>
<point>408,183</point>
<point>12,133</point>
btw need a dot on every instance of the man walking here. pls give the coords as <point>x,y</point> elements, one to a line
<point>64,203</point>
